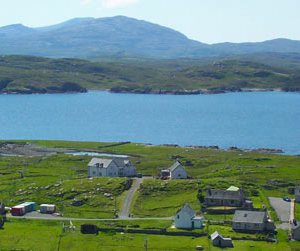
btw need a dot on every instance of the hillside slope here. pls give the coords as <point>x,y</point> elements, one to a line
<point>27,74</point>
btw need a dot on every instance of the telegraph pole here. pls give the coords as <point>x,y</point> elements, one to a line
<point>146,244</point>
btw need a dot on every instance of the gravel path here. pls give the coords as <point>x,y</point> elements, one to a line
<point>129,197</point>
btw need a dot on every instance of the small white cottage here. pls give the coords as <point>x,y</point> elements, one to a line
<point>118,167</point>
<point>177,171</point>
<point>186,218</point>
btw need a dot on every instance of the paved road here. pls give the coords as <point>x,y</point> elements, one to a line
<point>129,197</point>
<point>282,209</point>
<point>38,216</point>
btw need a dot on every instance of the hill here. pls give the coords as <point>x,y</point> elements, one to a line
<point>122,36</point>
<point>27,74</point>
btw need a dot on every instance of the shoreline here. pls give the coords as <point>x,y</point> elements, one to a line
<point>161,92</point>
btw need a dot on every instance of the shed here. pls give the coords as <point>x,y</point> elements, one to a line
<point>296,230</point>
<point>219,241</point>
<point>18,210</point>
<point>2,208</point>
<point>47,208</point>
<point>297,194</point>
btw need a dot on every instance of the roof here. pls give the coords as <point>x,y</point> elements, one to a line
<point>249,216</point>
<point>174,166</point>
<point>223,194</point>
<point>121,162</point>
<point>215,235</point>
<point>188,210</point>
<point>105,162</point>
<point>233,188</point>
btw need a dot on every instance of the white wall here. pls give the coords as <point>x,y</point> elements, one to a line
<point>183,220</point>
<point>179,173</point>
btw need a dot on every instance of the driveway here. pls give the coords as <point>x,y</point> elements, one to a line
<point>282,209</point>
<point>129,197</point>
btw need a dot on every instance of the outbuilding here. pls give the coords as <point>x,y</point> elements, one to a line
<point>47,209</point>
<point>219,241</point>
<point>297,194</point>
<point>296,230</point>
<point>18,210</point>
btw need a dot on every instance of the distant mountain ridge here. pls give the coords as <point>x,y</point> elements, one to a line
<point>122,36</point>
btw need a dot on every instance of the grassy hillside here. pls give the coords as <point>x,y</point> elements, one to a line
<point>26,74</point>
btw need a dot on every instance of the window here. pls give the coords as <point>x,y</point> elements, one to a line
<point>94,172</point>
<point>211,200</point>
<point>177,216</point>
<point>100,174</point>
<point>232,201</point>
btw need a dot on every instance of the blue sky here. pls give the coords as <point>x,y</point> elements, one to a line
<point>209,21</point>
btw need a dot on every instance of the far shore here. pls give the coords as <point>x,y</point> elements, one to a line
<point>161,92</point>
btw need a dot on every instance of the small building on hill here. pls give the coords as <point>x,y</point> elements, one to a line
<point>232,197</point>
<point>117,167</point>
<point>186,218</point>
<point>297,194</point>
<point>175,172</point>
<point>253,221</point>
<point>219,241</point>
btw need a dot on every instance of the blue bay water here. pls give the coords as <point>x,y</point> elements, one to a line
<point>250,120</point>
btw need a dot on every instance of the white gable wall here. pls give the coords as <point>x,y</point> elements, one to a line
<point>183,220</point>
<point>110,171</point>
<point>179,173</point>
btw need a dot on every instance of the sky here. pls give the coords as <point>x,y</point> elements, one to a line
<point>208,21</point>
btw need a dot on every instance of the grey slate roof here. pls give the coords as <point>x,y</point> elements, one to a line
<point>249,216</point>
<point>224,194</point>
<point>105,162</point>
<point>215,235</point>
<point>174,166</point>
<point>187,209</point>
<point>121,162</point>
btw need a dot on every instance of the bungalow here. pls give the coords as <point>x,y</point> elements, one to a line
<point>176,171</point>
<point>297,194</point>
<point>255,221</point>
<point>232,197</point>
<point>296,230</point>
<point>219,241</point>
<point>186,218</point>
<point>117,167</point>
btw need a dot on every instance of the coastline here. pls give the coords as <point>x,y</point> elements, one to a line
<point>156,92</point>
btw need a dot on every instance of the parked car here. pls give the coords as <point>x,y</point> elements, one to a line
<point>139,175</point>
<point>285,198</point>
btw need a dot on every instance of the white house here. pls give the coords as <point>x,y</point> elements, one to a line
<point>177,171</point>
<point>186,218</point>
<point>118,167</point>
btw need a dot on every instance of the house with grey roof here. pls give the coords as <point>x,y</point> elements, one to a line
<point>297,194</point>
<point>252,221</point>
<point>232,197</point>
<point>176,171</point>
<point>219,241</point>
<point>117,167</point>
<point>186,218</point>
